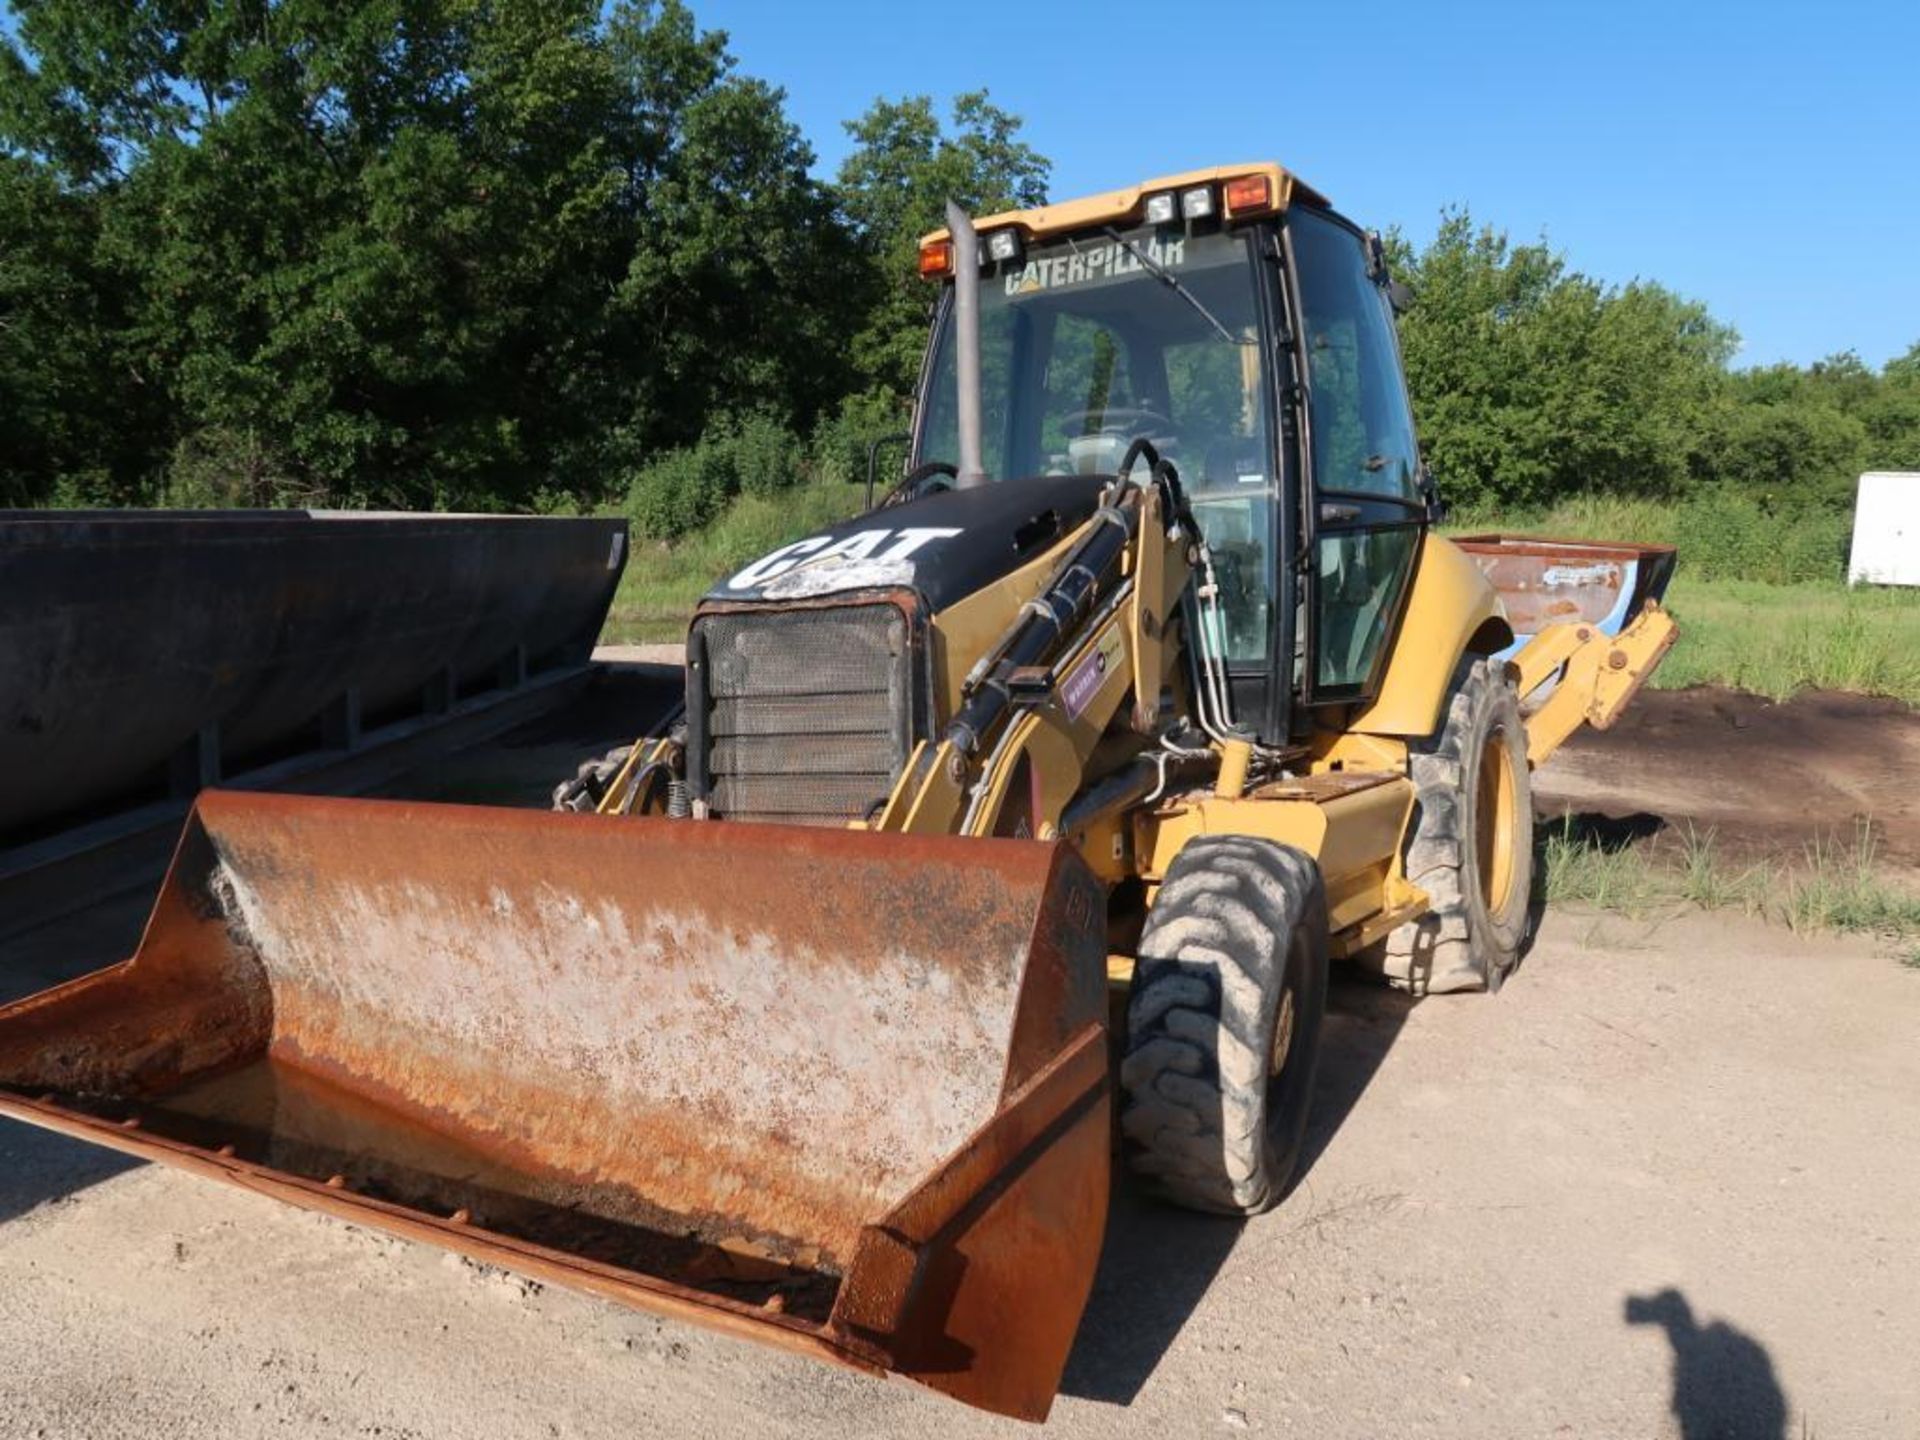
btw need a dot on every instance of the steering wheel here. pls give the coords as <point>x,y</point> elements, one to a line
<point>1128,420</point>
<point>927,479</point>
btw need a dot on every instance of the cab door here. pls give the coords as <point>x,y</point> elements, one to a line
<point>1365,511</point>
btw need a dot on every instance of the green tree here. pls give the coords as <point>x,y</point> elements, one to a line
<point>1892,415</point>
<point>1787,435</point>
<point>429,252</point>
<point>67,402</point>
<point>1531,381</point>
<point>894,186</point>
<point>743,288</point>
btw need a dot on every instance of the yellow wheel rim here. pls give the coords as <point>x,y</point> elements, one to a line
<point>1493,821</point>
<point>1282,1032</point>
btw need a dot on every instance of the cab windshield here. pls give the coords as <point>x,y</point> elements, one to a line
<point>1085,347</point>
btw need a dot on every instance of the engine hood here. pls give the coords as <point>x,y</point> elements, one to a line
<point>946,546</point>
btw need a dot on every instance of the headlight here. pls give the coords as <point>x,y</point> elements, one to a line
<point>1197,203</point>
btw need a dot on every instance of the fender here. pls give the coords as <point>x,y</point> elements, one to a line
<point>1453,609</point>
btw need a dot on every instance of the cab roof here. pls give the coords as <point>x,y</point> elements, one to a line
<point>1115,206</point>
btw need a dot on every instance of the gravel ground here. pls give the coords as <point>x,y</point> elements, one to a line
<point>1662,1185</point>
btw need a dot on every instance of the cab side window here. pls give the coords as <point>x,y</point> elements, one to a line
<point>1364,458</point>
<point>1362,424</point>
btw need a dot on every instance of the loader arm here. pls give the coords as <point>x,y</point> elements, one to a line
<point>1048,692</point>
<point>1596,674</point>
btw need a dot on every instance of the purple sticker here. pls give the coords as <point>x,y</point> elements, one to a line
<point>1080,687</point>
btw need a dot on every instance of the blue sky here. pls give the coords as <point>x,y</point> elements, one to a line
<point>1762,157</point>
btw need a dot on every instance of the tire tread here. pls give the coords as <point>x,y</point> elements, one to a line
<point>1193,1078</point>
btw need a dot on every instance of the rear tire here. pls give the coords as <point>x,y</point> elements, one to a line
<point>588,787</point>
<point>1223,1025</point>
<point>1470,841</point>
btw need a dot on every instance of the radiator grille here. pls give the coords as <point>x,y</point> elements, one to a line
<point>809,712</point>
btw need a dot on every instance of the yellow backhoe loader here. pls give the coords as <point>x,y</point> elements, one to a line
<point>1149,681</point>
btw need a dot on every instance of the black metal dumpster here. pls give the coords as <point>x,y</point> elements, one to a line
<point>127,635</point>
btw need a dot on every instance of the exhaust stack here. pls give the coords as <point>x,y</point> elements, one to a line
<point>966,320</point>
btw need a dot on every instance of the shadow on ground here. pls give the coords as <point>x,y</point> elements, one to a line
<point>1155,1266</point>
<point>38,1167</point>
<point>1158,1261</point>
<point>1724,1387</point>
<point>1364,1018</point>
<point>1594,830</point>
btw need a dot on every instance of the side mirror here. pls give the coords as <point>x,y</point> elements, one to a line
<point>1398,295</point>
<point>1430,492</point>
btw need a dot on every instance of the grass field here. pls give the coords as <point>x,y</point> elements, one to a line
<point>1776,639</point>
<point>1837,885</point>
<point>664,581</point>
<point>1769,637</point>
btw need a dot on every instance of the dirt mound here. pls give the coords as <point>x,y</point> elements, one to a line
<point>1766,776</point>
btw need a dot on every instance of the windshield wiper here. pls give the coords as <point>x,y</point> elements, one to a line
<point>1166,277</point>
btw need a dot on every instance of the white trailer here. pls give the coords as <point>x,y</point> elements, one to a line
<point>1886,530</point>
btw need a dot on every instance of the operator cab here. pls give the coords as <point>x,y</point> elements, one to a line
<point>1169,321</point>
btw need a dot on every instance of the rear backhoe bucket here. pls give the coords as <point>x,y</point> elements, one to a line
<point>1587,622</point>
<point>838,1092</point>
<point>1601,583</point>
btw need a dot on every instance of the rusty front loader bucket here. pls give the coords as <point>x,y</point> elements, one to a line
<point>834,1091</point>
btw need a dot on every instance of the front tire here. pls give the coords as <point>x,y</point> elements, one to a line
<point>1223,1025</point>
<point>1470,841</point>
